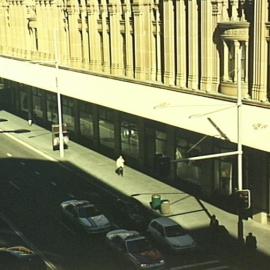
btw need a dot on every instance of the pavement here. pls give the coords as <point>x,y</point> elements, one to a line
<point>185,209</point>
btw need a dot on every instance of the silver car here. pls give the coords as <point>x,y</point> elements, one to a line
<point>85,216</point>
<point>170,234</point>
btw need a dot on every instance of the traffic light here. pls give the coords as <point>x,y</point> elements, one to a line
<point>244,200</point>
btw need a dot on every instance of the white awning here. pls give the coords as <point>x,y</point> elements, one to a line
<point>204,115</point>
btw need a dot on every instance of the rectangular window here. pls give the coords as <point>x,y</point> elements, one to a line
<point>52,112</point>
<point>161,142</point>
<point>68,113</point>
<point>106,128</point>
<point>86,120</point>
<point>129,138</point>
<point>37,103</point>
<point>231,61</point>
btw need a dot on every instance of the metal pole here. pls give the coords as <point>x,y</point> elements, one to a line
<point>61,138</point>
<point>239,106</point>
<point>239,142</point>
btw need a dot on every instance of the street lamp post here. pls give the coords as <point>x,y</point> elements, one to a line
<point>60,122</point>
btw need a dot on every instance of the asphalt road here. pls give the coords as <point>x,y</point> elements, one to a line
<point>31,190</point>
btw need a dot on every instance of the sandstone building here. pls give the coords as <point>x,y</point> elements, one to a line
<point>149,79</point>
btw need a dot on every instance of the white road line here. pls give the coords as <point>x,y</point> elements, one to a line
<point>219,267</point>
<point>71,195</point>
<point>66,227</point>
<point>53,183</point>
<point>22,163</point>
<point>29,146</point>
<point>9,155</point>
<point>14,185</point>
<point>194,265</point>
<point>37,172</point>
<point>28,243</point>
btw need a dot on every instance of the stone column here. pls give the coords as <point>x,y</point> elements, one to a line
<point>94,42</point>
<point>116,43</point>
<point>143,38</point>
<point>169,42</point>
<point>181,50</point>
<point>157,46</point>
<point>225,60</point>
<point>259,51</point>
<point>105,38</point>
<point>128,35</point>
<point>85,33</point>
<point>206,46</point>
<point>74,35</point>
<point>192,45</point>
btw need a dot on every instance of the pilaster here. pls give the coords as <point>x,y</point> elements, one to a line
<point>259,51</point>
<point>181,50</point>
<point>169,42</point>
<point>193,45</point>
<point>206,46</point>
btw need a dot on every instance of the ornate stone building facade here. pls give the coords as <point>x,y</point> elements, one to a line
<point>186,44</point>
<point>153,54</point>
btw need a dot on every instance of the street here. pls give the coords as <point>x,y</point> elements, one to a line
<point>31,190</point>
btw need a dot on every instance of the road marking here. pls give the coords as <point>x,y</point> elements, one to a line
<point>14,185</point>
<point>196,264</point>
<point>219,267</point>
<point>28,243</point>
<point>37,172</point>
<point>22,163</point>
<point>9,155</point>
<point>71,195</point>
<point>53,183</point>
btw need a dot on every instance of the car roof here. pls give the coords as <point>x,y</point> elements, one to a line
<point>77,203</point>
<point>165,221</point>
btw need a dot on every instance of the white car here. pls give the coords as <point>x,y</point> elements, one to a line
<point>170,234</point>
<point>84,215</point>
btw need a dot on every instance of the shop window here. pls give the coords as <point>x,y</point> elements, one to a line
<point>106,128</point>
<point>24,104</point>
<point>68,113</point>
<point>188,170</point>
<point>160,142</point>
<point>129,138</point>
<point>225,177</point>
<point>86,120</point>
<point>52,115</point>
<point>37,103</point>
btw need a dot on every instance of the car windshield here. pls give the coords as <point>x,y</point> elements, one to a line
<point>88,211</point>
<point>138,245</point>
<point>174,230</point>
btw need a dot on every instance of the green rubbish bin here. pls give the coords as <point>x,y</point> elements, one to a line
<point>156,201</point>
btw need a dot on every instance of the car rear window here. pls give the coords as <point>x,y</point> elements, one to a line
<point>88,211</point>
<point>174,230</point>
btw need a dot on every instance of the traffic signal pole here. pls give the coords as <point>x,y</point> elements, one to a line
<point>239,141</point>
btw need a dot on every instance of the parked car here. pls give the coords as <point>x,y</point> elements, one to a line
<point>170,234</point>
<point>135,249</point>
<point>85,216</point>
<point>20,258</point>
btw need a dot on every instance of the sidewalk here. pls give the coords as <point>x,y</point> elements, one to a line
<point>185,209</point>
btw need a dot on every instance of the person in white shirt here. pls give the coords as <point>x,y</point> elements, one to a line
<point>120,166</point>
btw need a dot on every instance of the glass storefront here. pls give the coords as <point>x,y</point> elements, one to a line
<point>68,113</point>
<point>106,128</point>
<point>86,120</point>
<point>52,115</point>
<point>37,103</point>
<point>129,138</point>
<point>188,170</point>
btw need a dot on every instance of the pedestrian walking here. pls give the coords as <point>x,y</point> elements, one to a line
<point>120,166</point>
<point>251,242</point>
